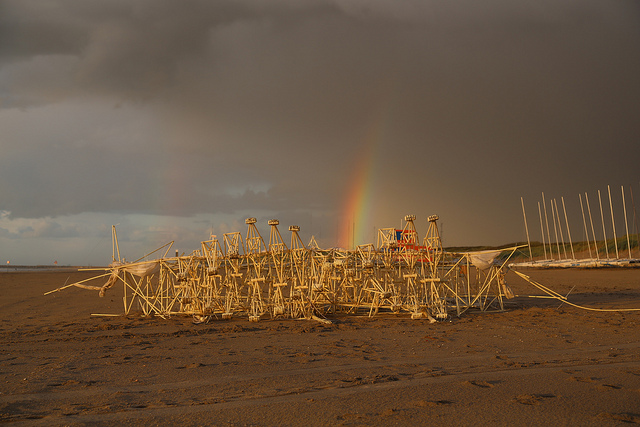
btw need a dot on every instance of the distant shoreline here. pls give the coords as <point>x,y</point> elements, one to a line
<point>32,268</point>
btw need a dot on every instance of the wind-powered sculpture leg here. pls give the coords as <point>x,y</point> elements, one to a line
<point>433,279</point>
<point>344,283</point>
<point>256,260</point>
<point>454,288</point>
<point>277,272</point>
<point>387,244</point>
<point>372,293</point>
<point>299,273</point>
<point>490,275</point>
<point>146,292</point>
<point>318,298</point>
<point>143,281</point>
<point>187,286</point>
<point>214,299</point>
<point>411,269</point>
<point>233,279</point>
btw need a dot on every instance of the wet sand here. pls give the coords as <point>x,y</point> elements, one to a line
<point>540,362</point>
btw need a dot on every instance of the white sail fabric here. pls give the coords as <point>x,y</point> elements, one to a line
<point>484,259</point>
<point>140,269</point>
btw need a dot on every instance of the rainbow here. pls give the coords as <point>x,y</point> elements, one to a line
<point>357,213</point>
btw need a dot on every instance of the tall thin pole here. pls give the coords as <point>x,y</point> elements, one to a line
<point>564,247</point>
<point>593,232</point>
<point>626,225</point>
<point>546,220</point>
<point>555,230</point>
<point>566,221</point>
<point>604,232</point>
<point>544,246</point>
<point>114,244</point>
<point>635,223</point>
<point>584,222</point>
<point>613,223</point>
<point>526,228</point>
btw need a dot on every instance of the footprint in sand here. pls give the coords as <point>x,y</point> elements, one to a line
<point>624,417</point>
<point>633,372</point>
<point>429,403</point>
<point>483,384</point>
<point>532,399</point>
<point>191,366</point>
<point>583,379</point>
<point>610,386</point>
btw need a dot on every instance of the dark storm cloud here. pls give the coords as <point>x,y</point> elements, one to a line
<point>269,105</point>
<point>129,49</point>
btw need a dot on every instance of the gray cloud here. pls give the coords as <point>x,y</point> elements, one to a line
<point>198,107</point>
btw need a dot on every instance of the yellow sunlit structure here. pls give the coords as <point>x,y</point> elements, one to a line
<point>249,278</point>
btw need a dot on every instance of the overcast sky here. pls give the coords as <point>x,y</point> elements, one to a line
<point>178,119</point>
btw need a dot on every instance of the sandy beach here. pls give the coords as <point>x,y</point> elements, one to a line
<point>539,362</point>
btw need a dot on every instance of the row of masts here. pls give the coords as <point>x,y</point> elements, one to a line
<point>555,246</point>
